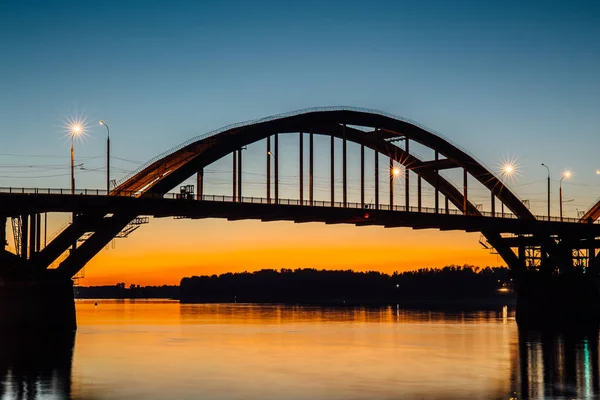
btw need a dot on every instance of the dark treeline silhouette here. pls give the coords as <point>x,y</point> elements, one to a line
<point>451,284</point>
<point>120,291</point>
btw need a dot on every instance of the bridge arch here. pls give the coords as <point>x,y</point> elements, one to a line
<point>378,132</point>
<point>173,167</point>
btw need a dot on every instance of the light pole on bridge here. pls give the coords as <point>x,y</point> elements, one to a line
<point>566,174</point>
<point>76,130</point>
<point>544,165</point>
<point>107,157</point>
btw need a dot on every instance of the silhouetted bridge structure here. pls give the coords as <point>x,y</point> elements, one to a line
<point>552,246</point>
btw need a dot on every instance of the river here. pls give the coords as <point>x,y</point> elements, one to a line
<point>163,350</point>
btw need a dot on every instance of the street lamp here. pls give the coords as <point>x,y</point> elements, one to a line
<point>565,174</point>
<point>107,157</point>
<point>544,165</point>
<point>76,129</point>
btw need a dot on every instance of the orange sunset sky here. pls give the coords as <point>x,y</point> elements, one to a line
<point>167,250</point>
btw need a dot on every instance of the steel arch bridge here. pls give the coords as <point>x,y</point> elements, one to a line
<point>523,240</point>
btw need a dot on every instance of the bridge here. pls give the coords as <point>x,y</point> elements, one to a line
<point>527,243</point>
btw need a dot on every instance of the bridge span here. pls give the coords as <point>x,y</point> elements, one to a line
<point>527,243</point>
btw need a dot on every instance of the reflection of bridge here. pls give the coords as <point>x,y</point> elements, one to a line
<point>524,241</point>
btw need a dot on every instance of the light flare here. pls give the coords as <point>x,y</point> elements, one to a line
<point>509,170</point>
<point>76,128</point>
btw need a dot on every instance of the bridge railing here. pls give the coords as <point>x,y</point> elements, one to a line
<point>262,200</point>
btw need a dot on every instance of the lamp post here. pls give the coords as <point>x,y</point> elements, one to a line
<point>566,174</point>
<point>76,129</point>
<point>107,157</point>
<point>544,165</point>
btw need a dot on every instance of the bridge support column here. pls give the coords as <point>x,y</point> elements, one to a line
<point>234,177</point>
<point>566,301</point>
<point>24,235</point>
<point>3,242</point>
<point>32,233</point>
<point>332,156</point>
<point>276,162</point>
<point>391,183</point>
<point>419,193</point>
<point>362,176</point>
<point>269,170</point>
<point>465,201</point>
<point>493,202</point>
<point>344,175</point>
<point>407,179</point>
<point>200,184</point>
<point>46,305</point>
<point>376,180</point>
<point>301,172</point>
<point>310,168</point>
<point>437,184</point>
<point>239,173</point>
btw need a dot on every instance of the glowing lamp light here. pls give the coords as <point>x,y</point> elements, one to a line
<point>567,174</point>
<point>598,172</point>
<point>396,171</point>
<point>76,129</point>
<point>508,169</point>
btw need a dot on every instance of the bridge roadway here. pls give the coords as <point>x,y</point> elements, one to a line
<point>14,202</point>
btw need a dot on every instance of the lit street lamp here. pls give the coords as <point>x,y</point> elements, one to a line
<point>566,174</point>
<point>107,157</point>
<point>544,165</point>
<point>76,130</point>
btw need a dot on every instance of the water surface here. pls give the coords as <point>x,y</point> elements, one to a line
<point>164,350</point>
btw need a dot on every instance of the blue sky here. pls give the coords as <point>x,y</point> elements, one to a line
<point>501,78</point>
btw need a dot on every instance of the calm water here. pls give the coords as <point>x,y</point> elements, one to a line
<point>164,350</point>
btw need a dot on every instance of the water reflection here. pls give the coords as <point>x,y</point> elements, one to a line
<point>157,350</point>
<point>35,365</point>
<point>559,364</point>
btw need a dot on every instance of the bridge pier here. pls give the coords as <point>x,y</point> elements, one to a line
<point>38,304</point>
<point>558,301</point>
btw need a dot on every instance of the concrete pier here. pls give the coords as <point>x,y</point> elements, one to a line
<point>44,305</point>
<point>561,301</point>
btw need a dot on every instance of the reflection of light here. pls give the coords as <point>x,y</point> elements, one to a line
<point>503,289</point>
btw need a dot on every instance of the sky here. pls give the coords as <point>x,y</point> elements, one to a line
<point>505,80</point>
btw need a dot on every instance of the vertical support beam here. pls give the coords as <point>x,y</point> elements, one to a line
<point>465,179</point>
<point>376,180</point>
<point>45,229</point>
<point>493,204</point>
<point>391,173</point>
<point>239,175</point>
<point>38,232</point>
<point>276,161</point>
<point>269,170</point>
<point>437,184</point>
<point>344,175</point>
<point>2,232</point>
<point>419,193</point>
<point>24,235</point>
<point>521,253</point>
<point>362,176</point>
<point>301,172</point>
<point>234,168</point>
<point>310,168</point>
<point>332,157</point>
<point>446,205</point>
<point>407,178</point>
<point>200,183</point>
<point>32,233</point>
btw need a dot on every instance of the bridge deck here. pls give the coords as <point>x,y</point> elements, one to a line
<point>14,204</point>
